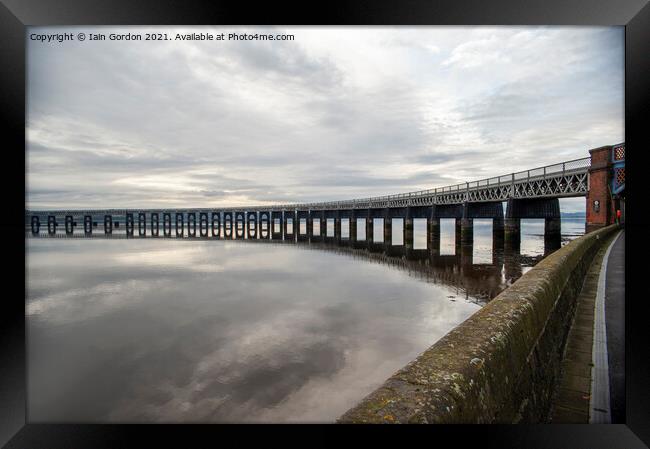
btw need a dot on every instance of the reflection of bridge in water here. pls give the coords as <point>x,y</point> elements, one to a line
<point>476,282</point>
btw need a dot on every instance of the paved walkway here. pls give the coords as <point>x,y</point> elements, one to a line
<point>615,322</point>
<point>572,403</point>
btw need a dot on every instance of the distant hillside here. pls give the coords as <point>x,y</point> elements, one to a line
<point>572,214</point>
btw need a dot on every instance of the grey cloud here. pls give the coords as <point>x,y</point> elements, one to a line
<point>289,122</point>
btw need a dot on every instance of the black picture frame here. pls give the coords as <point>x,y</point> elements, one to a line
<point>15,15</point>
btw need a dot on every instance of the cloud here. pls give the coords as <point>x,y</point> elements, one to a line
<point>336,113</point>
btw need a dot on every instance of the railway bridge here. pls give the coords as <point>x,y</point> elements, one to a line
<point>369,222</point>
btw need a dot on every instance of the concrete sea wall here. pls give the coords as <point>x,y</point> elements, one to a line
<point>502,364</point>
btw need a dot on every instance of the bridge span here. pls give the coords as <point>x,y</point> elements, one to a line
<point>531,193</point>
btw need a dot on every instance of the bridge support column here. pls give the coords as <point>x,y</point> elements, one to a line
<point>466,231</point>
<point>228,226</point>
<point>167,224</point>
<point>388,229</point>
<point>290,215</point>
<point>276,217</point>
<point>434,234</point>
<point>284,225</point>
<point>408,231</point>
<point>203,224</point>
<point>88,224</point>
<point>552,234</point>
<point>466,226</point>
<point>323,226</point>
<point>129,223</point>
<point>155,226</point>
<point>180,227</point>
<point>337,228</point>
<point>191,224</point>
<point>142,224</point>
<point>498,230</point>
<point>251,226</point>
<point>369,228</point>
<point>512,233</point>
<point>108,224</point>
<point>458,228</point>
<point>310,226</point>
<point>265,225</point>
<point>36,224</point>
<point>300,216</point>
<point>466,255</point>
<point>353,227</point>
<point>68,225</point>
<point>216,224</point>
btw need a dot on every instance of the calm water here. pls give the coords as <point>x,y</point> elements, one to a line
<point>177,330</point>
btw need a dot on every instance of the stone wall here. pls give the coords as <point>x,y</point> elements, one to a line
<point>501,365</point>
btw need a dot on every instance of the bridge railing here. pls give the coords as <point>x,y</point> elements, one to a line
<point>525,175</point>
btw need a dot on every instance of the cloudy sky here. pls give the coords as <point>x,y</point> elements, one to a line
<point>339,112</point>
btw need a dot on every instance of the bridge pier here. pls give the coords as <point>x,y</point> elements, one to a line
<point>433,231</point>
<point>466,256</point>
<point>337,227</point>
<point>512,233</point>
<point>311,217</point>
<point>35,224</point>
<point>276,225</point>
<point>129,224</point>
<point>167,224</point>
<point>142,225</point>
<point>155,225</point>
<point>88,224</point>
<point>546,208</point>
<point>180,226</point>
<point>388,230</point>
<point>467,225</point>
<point>300,216</point>
<point>498,230</point>
<point>408,231</point>
<point>240,225</point>
<point>108,224</point>
<point>552,235</point>
<point>289,218</point>
<point>251,226</point>
<point>323,226</point>
<point>51,224</point>
<point>353,227</point>
<point>466,231</point>
<point>68,225</point>
<point>216,225</point>
<point>203,224</point>
<point>309,226</point>
<point>228,225</point>
<point>369,229</point>
<point>263,225</point>
<point>191,224</point>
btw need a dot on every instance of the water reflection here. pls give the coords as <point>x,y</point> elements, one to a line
<point>178,330</point>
